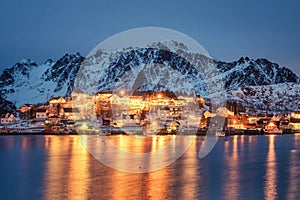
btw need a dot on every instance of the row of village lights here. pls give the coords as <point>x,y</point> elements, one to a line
<point>123,93</point>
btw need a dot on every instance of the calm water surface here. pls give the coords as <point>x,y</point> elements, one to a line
<point>239,167</point>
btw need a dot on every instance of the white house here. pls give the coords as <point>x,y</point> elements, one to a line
<point>8,119</point>
<point>41,114</point>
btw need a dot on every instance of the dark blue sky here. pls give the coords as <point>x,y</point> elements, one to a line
<point>41,29</point>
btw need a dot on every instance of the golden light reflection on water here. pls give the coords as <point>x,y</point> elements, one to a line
<point>24,143</point>
<point>270,188</point>
<point>54,171</point>
<point>294,172</point>
<point>72,173</point>
<point>79,173</point>
<point>189,191</point>
<point>157,184</point>
<point>152,185</point>
<point>70,169</point>
<point>231,189</point>
<point>158,181</point>
<point>240,167</point>
<point>140,144</point>
<point>66,169</point>
<point>242,142</point>
<point>137,154</point>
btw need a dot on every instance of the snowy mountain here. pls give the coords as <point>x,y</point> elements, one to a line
<point>249,72</point>
<point>277,97</point>
<point>257,84</point>
<point>27,82</point>
<point>6,106</point>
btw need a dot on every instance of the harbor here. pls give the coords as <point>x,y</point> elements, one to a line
<point>142,114</point>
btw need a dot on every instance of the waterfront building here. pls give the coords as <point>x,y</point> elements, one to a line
<point>56,105</point>
<point>26,112</point>
<point>70,113</point>
<point>295,121</point>
<point>41,114</point>
<point>8,118</point>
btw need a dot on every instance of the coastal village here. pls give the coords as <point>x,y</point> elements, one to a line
<point>141,113</point>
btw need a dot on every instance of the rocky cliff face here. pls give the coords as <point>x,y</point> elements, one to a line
<point>249,72</point>
<point>252,82</point>
<point>27,82</point>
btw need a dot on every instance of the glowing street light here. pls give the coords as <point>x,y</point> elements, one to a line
<point>122,92</point>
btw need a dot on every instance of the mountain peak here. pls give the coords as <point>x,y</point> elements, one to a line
<point>26,62</point>
<point>26,82</point>
<point>243,60</point>
<point>24,66</point>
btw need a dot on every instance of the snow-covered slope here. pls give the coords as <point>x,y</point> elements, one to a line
<point>277,97</point>
<point>168,65</point>
<point>27,82</point>
<point>250,72</point>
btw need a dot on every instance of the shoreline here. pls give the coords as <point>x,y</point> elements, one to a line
<point>199,133</point>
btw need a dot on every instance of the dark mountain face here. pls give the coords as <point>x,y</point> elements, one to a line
<point>23,68</point>
<point>6,106</point>
<point>27,82</point>
<point>249,72</point>
<point>145,56</point>
<point>64,72</point>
